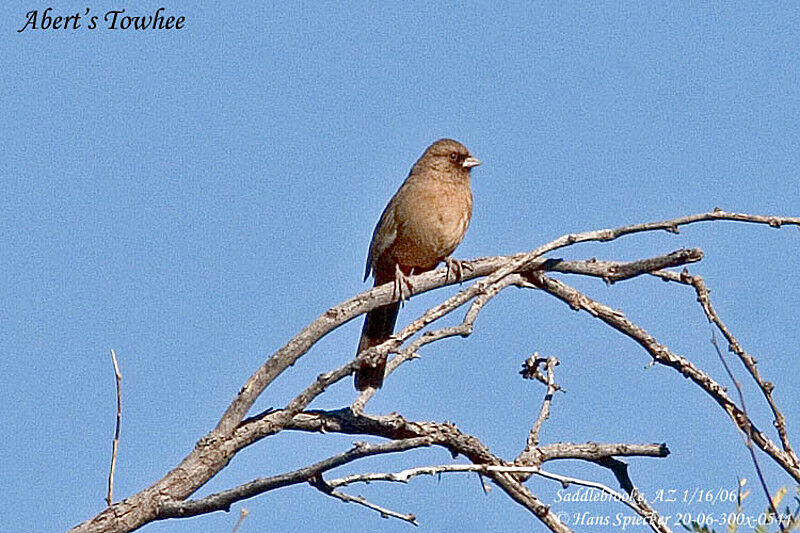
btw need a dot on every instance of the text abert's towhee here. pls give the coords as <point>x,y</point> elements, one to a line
<point>422,225</point>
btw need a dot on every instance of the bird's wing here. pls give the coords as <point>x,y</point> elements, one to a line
<point>382,238</point>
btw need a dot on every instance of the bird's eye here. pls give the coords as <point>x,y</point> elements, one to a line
<point>453,156</point>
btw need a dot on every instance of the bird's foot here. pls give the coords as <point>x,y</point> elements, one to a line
<point>403,289</point>
<point>456,267</point>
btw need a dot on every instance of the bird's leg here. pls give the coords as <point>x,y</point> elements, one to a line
<point>457,267</point>
<point>401,284</point>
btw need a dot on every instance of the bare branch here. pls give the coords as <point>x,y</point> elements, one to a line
<point>215,450</point>
<point>323,487</point>
<point>703,297</point>
<point>747,360</point>
<point>653,519</point>
<point>222,501</point>
<point>594,451</point>
<point>613,271</point>
<point>532,367</point>
<point>446,435</point>
<point>610,271</point>
<point>404,476</point>
<point>663,355</point>
<point>115,444</point>
<point>462,330</point>
<point>368,300</point>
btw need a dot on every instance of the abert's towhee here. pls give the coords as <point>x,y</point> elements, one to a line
<point>421,226</point>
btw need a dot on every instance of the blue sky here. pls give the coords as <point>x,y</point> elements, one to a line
<point>193,198</point>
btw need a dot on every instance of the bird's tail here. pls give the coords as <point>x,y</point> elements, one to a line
<point>378,326</point>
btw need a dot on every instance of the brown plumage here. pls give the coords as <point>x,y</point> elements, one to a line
<point>421,226</point>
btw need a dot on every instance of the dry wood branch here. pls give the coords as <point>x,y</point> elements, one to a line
<point>323,487</point>
<point>525,261</point>
<point>663,355</point>
<point>748,438</point>
<point>594,451</point>
<point>636,501</point>
<point>531,368</point>
<point>520,494</point>
<point>613,271</point>
<point>115,443</point>
<point>404,476</point>
<point>396,427</point>
<point>610,271</point>
<point>222,501</point>
<point>462,330</point>
<point>215,450</point>
<point>449,437</point>
<point>749,362</point>
<point>531,453</point>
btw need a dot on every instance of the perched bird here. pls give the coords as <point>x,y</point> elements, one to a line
<point>420,227</point>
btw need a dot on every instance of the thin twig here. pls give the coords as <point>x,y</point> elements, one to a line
<point>242,515</point>
<point>320,484</point>
<point>749,430</point>
<point>653,519</point>
<point>115,444</point>
<point>404,476</point>
<point>663,355</point>
<point>747,360</point>
<point>531,368</point>
<point>464,329</point>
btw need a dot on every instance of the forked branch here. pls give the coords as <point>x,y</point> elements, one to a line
<point>233,433</point>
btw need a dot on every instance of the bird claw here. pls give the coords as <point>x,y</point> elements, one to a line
<point>457,267</point>
<point>401,285</point>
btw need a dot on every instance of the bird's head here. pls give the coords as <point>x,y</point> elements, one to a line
<point>449,156</point>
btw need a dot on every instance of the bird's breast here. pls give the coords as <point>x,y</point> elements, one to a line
<point>432,220</point>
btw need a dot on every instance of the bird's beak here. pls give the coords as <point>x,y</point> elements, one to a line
<point>471,162</point>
